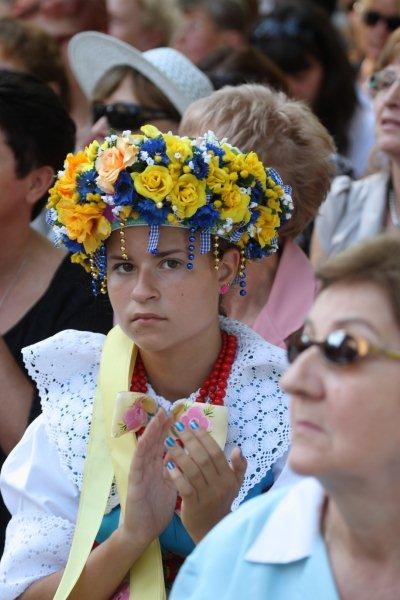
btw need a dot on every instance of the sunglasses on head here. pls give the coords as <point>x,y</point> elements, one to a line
<point>372,17</point>
<point>126,115</point>
<point>339,348</point>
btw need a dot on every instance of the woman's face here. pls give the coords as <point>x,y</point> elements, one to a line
<point>373,36</point>
<point>198,35</point>
<point>346,418</point>
<point>305,85</point>
<point>387,111</point>
<point>124,93</point>
<point>15,191</point>
<point>158,301</point>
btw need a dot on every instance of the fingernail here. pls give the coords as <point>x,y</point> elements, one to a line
<point>169,441</point>
<point>179,426</point>
<point>170,465</point>
<point>194,424</point>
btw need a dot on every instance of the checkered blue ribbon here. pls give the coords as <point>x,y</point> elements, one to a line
<point>205,241</point>
<point>287,189</point>
<point>236,235</point>
<point>275,176</point>
<point>274,245</point>
<point>154,235</point>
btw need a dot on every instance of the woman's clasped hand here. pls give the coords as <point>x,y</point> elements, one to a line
<point>205,480</point>
<point>173,459</point>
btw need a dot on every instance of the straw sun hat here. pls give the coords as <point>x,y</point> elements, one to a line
<point>92,54</point>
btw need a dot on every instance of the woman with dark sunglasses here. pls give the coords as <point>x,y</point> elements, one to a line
<point>128,88</point>
<point>335,534</point>
<point>377,19</point>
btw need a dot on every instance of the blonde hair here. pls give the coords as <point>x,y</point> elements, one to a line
<point>390,52</point>
<point>284,133</point>
<point>375,261</point>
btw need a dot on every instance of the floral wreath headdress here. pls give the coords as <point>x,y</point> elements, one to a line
<point>158,179</point>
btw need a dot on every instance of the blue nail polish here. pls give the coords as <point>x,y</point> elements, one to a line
<point>170,465</point>
<point>170,442</point>
<point>194,424</point>
<point>179,426</point>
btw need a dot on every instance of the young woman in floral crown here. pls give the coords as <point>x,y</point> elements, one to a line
<point>178,400</point>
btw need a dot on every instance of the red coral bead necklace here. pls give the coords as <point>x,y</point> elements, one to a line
<point>213,389</point>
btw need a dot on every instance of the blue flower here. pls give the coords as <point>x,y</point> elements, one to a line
<point>253,250</point>
<point>123,189</point>
<point>150,213</point>
<point>257,193</point>
<point>86,184</point>
<point>254,216</point>
<point>198,165</point>
<point>217,150</point>
<point>155,147</point>
<point>71,245</point>
<point>204,218</point>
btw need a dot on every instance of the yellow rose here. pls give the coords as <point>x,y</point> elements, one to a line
<point>154,183</point>
<point>229,153</point>
<point>150,131</point>
<point>266,226</point>
<point>217,179</point>
<point>81,259</point>
<point>112,161</point>
<point>235,205</point>
<point>92,150</point>
<point>188,195</point>
<point>274,204</point>
<point>179,150</point>
<point>85,223</point>
<point>249,164</point>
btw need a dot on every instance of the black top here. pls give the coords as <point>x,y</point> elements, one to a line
<point>68,303</point>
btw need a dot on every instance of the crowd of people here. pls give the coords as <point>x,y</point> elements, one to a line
<point>199,299</point>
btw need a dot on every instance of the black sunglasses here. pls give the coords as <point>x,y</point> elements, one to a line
<point>372,17</point>
<point>339,348</point>
<point>126,115</point>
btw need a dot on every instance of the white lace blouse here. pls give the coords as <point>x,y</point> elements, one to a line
<point>42,476</point>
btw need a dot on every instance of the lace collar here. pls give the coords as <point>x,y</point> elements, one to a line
<point>65,369</point>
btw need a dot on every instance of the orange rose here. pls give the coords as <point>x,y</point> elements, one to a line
<point>65,186</point>
<point>112,161</point>
<point>85,223</point>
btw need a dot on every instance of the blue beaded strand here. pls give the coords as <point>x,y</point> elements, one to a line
<point>191,248</point>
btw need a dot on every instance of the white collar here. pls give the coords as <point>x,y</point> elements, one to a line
<point>293,528</point>
<point>65,368</point>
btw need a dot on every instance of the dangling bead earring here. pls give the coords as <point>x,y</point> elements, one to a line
<point>191,248</point>
<point>102,267</point>
<point>122,240</point>
<point>216,253</point>
<point>242,274</point>
<point>103,287</point>
<point>94,275</point>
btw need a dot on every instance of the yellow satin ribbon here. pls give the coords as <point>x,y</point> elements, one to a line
<point>110,456</point>
<point>106,457</point>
